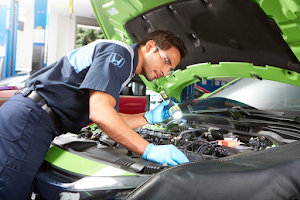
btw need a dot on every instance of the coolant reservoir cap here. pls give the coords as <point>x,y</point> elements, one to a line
<point>230,136</point>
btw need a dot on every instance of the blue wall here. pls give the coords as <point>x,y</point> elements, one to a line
<point>8,37</point>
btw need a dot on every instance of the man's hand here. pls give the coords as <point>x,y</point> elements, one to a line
<point>158,114</point>
<point>164,154</point>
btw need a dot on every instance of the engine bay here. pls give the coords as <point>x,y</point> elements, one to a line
<point>197,141</point>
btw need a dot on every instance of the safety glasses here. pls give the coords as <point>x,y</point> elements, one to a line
<point>166,61</point>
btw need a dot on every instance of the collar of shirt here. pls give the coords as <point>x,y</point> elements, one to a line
<point>135,58</point>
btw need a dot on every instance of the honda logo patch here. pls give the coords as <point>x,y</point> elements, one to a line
<point>116,59</point>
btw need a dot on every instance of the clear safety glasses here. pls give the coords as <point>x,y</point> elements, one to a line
<point>166,61</point>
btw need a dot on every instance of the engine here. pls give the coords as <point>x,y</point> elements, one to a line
<point>196,142</point>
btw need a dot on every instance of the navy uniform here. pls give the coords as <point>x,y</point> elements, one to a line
<point>55,100</point>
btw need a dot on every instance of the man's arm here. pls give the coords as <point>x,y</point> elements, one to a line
<point>134,121</point>
<point>102,112</point>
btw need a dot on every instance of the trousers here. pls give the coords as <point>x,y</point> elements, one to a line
<point>26,132</point>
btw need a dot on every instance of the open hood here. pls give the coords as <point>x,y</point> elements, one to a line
<point>225,39</point>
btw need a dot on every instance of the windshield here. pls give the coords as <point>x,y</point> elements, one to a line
<point>257,94</point>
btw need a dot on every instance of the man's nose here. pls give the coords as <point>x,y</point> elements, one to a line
<point>165,70</point>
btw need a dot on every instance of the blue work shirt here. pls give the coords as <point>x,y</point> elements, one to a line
<point>103,65</point>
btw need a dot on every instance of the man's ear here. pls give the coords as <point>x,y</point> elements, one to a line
<point>149,45</point>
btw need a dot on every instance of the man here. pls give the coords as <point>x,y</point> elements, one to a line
<point>84,86</point>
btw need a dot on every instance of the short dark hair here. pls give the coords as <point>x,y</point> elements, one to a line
<point>165,39</point>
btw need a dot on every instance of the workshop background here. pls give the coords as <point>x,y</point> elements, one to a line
<point>36,19</point>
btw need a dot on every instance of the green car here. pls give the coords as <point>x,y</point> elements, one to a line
<point>242,140</point>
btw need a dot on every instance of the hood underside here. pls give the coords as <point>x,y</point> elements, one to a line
<point>219,31</point>
<point>228,38</point>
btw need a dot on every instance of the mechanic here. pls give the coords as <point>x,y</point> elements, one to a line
<point>81,87</point>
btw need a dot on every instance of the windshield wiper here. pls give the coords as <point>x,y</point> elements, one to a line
<point>235,112</point>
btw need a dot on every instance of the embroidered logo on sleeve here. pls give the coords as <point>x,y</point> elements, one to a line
<point>116,60</point>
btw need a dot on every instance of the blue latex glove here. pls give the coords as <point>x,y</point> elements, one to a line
<point>164,154</point>
<point>159,114</point>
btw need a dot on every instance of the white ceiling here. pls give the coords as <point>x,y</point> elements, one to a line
<point>81,8</point>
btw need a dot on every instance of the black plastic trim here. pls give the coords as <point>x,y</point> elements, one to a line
<point>219,31</point>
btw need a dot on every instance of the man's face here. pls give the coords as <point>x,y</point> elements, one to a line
<point>158,63</point>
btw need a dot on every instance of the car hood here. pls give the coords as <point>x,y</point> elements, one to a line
<point>230,38</point>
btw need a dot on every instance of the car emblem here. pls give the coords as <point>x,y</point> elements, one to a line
<point>116,59</point>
